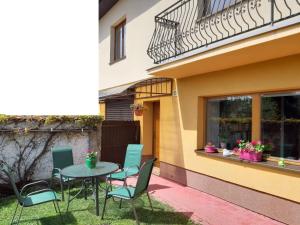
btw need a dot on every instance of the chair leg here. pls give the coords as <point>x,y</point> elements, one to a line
<point>135,214</point>
<point>120,204</point>
<point>106,184</point>
<point>110,184</point>
<point>103,210</point>
<point>58,209</point>
<point>68,197</point>
<point>20,215</point>
<point>149,200</point>
<point>13,219</point>
<point>55,207</point>
<point>62,188</point>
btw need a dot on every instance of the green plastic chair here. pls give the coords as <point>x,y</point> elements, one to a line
<point>131,165</point>
<point>28,199</point>
<point>132,193</point>
<point>62,157</point>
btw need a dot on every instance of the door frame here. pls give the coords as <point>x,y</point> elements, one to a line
<point>156,131</point>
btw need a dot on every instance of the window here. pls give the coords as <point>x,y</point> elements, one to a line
<point>228,119</point>
<point>208,7</point>
<point>280,124</point>
<point>119,41</point>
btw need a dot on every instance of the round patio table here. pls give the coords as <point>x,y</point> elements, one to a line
<point>82,172</point>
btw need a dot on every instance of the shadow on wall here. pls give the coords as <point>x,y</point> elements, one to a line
<point>132,11</point>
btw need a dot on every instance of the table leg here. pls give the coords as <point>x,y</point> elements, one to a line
<point>97,196</point>
<point>69,198</point>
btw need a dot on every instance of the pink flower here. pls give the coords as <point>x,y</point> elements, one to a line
<point>238,141</point>
<point>254,142</point>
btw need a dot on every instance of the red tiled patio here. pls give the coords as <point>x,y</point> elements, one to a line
<point>201,207</point>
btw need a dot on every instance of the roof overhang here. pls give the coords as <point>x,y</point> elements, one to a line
<point>105,6</point>
<point>281,41</point>
<point>130,90</point>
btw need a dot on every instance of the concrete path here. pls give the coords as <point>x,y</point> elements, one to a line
<point>201,207</point>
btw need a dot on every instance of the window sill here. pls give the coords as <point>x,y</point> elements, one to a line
<point>117,60</point>
<point>266,164</point>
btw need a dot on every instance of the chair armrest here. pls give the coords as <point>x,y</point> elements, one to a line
<point>120,168</point>
<point>56,170</point>
<point>118,171</point>
<point>45,183</point>
<point>130,167</point>
<point>41,191</point>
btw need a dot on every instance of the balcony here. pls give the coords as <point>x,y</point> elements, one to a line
<point>189,25</point>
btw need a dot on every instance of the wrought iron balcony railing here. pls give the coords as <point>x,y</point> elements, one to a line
<point>191,24</point>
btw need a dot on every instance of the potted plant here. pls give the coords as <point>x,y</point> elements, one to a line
<point>91,158</point>
<point>251,151</point>
<point>210,148</point>
<point>137,108</point>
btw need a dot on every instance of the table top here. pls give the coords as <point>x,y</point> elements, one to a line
<point>82,171</point>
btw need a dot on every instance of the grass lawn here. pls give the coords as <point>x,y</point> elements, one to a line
<point>82,212</point>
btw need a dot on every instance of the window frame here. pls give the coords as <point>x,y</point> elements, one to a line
<point>256,117</point>
<point>219,98</point>
<point>121,26</point>
<point>206,14</point>
<point>279,93</point>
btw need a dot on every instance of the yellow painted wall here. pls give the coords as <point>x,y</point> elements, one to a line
<point>102,109</point>
<point>180,123</point>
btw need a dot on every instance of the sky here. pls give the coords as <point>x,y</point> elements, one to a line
<point>49,57</point>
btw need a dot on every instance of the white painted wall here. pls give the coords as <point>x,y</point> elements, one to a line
<point>139,29</point>
<point>78,141</point>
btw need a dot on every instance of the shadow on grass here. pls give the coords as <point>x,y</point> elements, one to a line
<point>8,201</point>
<point>75,189</point>
<point>66,219</point>
<point>158,216</point>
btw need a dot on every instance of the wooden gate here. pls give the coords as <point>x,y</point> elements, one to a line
<point>115,136</point>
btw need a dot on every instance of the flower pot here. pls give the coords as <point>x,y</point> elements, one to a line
<point>138,112</point>
<point>256,156</point>
<point>251,155</point>
<point>244,154</point>
<point>91,163</point>
<point>210,149</point>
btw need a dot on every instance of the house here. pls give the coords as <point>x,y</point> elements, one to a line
<point>229,70</point>
<point>125,62</point>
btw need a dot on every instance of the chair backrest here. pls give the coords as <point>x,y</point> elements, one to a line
<point>144,178</point>
<point>62,157</point>
<point>4,168</point>
<point>133,155</point>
